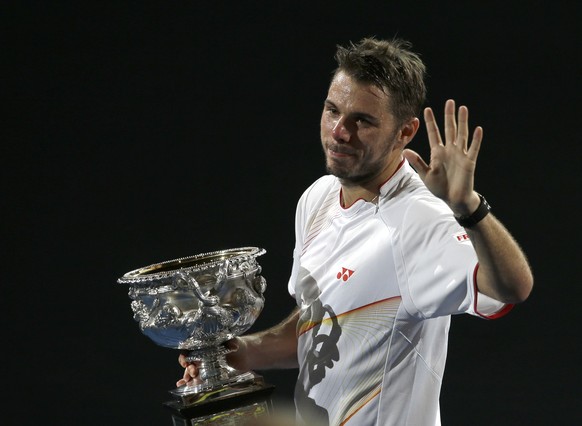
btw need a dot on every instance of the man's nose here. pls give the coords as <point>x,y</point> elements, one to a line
<point>340,131</point>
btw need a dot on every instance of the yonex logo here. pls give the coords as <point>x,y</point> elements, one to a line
<point>345,274</point>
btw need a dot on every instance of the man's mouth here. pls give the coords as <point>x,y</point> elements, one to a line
<point>337,151</point>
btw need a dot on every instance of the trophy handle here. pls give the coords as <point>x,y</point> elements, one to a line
<point>193,285</point>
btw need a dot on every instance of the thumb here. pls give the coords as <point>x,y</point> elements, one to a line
<point>416,161</point>
<point>232,344</point>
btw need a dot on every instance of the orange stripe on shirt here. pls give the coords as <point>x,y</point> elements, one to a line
<point>308,325</point>
<point>374,395</point>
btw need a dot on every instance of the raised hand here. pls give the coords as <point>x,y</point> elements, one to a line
<point>450,174</point>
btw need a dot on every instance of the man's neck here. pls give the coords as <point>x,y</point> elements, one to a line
<point>368,191</point>
<point>350,194</point>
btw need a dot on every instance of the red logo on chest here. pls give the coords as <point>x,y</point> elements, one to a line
<point>345,274</point>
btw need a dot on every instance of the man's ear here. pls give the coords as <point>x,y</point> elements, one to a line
<point>407,131</point>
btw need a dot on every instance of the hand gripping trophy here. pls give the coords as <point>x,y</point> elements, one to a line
<point>196,304</point>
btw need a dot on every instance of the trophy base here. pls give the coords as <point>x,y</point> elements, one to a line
<point>234,404</point>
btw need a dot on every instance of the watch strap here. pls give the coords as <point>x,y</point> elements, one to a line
<point>476,217</point>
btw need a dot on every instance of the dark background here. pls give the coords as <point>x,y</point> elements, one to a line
<point>136,132</point>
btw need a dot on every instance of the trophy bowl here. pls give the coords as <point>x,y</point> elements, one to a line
<point>196,304</point>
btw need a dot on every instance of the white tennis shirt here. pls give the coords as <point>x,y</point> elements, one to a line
<point>376,285</point>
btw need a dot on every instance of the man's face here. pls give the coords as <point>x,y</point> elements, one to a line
<point>358,133</point>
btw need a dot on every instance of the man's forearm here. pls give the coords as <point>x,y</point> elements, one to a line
<point>275,347</point>
<point>504,272</point>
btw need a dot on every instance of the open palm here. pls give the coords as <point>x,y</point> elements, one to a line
<point>450,174</point>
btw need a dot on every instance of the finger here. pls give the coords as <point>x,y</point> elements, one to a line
<point>186,378</point>
<point>191,371</point>
<point>181,382</point>
<point>450,122</point>
<point>463,132</point>
<point>473,151</point>
<point>417,162</point>
<point>432,129</point>
<point>182,361</point>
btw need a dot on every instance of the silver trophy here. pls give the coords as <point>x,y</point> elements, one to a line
<point>196,304</point>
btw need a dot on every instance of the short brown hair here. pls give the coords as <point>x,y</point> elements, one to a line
<point>391,66</point>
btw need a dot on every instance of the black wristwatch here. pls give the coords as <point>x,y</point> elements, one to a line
<point>476,217</point>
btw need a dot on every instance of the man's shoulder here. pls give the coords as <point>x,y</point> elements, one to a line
<point>325,181</point>
<point>321,188</point>
<point>410,200</point>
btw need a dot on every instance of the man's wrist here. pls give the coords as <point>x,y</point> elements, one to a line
<point>474,218</point>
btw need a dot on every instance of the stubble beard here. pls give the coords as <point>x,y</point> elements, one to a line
<point>352,178</point>
<point>361,173</point>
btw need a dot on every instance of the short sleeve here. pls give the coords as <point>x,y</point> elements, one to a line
<point>437,265</point>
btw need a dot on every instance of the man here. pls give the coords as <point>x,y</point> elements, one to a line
<point>385,255</point>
